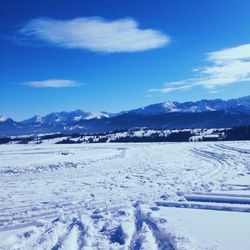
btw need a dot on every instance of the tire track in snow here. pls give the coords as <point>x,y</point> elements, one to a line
<point>217,172</point>
<point>239,150</point>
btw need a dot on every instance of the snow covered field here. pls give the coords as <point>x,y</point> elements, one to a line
<point>125,196</point>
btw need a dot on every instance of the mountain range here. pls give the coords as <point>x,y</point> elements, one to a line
<point>167,115</point>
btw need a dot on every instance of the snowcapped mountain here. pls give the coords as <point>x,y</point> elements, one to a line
<point>34,120</point>
<point>168,115</point>
<point>57,118</point>
<point>64,118</point>
<point>3,118</point>
<point>233,105</point>
<point>9,126</point>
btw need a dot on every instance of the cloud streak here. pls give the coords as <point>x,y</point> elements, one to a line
<point>95,34</point>
<point>223,68</point>
<point>53,83</point>
<point>240,52</point>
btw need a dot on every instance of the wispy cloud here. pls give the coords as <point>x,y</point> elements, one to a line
<point>223,68</point>
<point>171,88</point>
<point>240,52</point>
<point>95,34</point>
<point>53,83</point>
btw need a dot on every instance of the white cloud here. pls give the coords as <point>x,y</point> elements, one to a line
<point>224,67</point>
<point>170,89</point>
<point>239,52</point>
<point>53,83</point>
<point>95,34</point>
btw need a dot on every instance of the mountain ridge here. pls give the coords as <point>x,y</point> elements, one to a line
<point>161,115</point>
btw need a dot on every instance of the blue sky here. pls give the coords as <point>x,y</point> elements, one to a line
<point>114,55</point>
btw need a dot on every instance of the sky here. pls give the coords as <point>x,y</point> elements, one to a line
<point>109,55</point>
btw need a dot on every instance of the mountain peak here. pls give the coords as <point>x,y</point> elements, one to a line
<point>3,118</point>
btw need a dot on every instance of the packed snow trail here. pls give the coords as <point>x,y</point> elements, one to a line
<point>113,196</point>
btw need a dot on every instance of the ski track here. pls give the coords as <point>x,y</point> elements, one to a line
<point>103,196</point>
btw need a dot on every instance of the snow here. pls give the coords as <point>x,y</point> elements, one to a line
<point>78,118</point>
<point>96,115</point>
<point>37,119</point>
<point>170,106</point>
<point>3,118</point>
<point>213,229</point>
<point>125,196</point>
<point>75,127</point>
